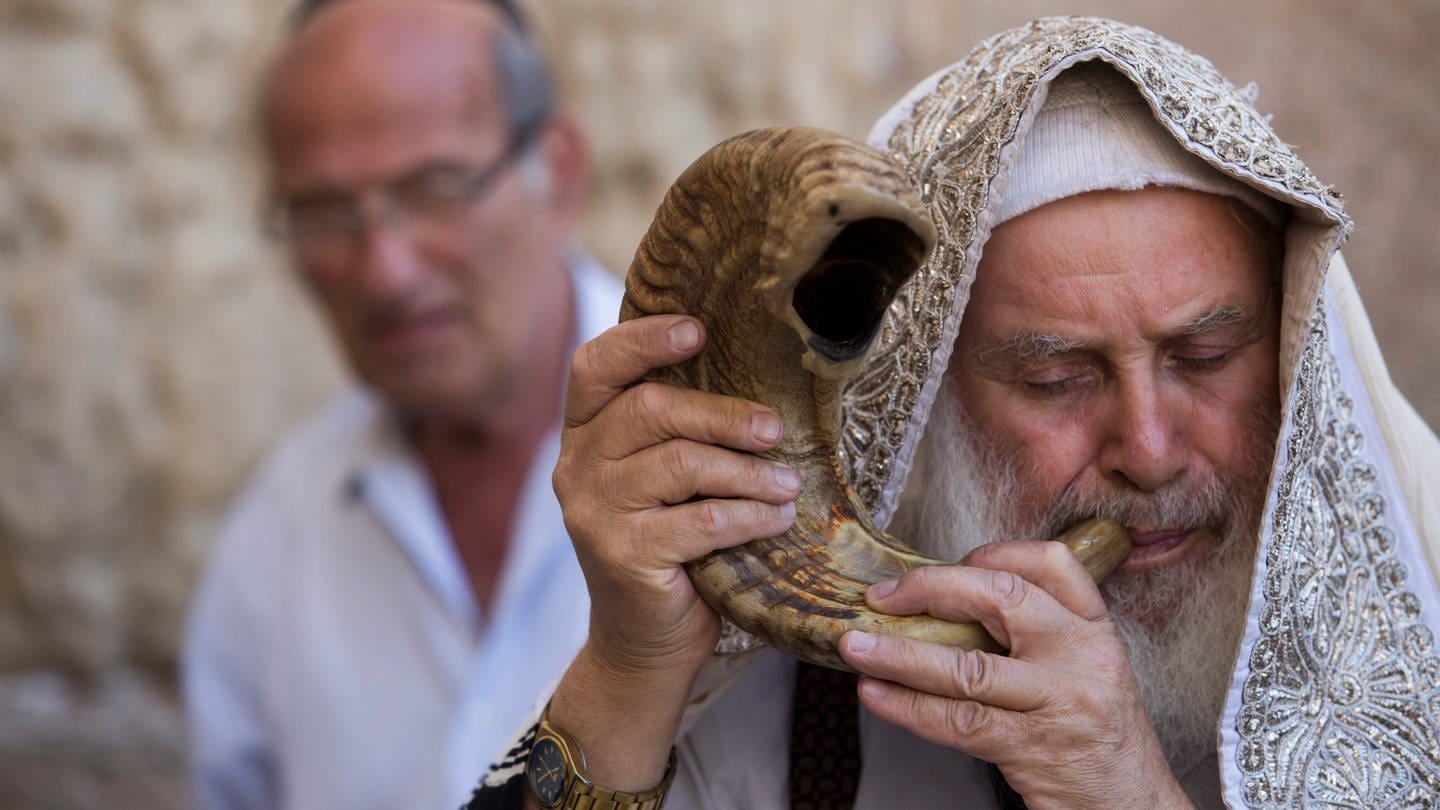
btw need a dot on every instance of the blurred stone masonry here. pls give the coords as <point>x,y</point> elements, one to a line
<point>117,744</point>
<point>152,344</point>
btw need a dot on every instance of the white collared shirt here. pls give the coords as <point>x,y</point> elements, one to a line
<point>335,656</point>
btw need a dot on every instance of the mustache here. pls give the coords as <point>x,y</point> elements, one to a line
<point>1203,503</point>
<point>381,315</point>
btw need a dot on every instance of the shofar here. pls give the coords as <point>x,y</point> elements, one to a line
<point>789,245</point>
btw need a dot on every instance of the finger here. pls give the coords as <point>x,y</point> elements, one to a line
<point>936,669</point>
<point>982,731</point>
<point>680,534</point>
<point>1008,606</point>
<point>678,471</point>
<point>1048,564</point>
<point>607,365</point>
<point>651,413</point>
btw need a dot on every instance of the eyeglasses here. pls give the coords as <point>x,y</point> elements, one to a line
<point>433,197</point>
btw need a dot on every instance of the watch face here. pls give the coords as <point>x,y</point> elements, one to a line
<point>546,771</point>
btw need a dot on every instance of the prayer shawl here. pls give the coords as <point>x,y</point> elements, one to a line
<point>1335,695</point>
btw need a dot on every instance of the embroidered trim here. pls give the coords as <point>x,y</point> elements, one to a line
<point>1342,704</point>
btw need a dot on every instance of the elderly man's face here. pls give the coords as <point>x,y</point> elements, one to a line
<point>1121,348</point>
<point>440,296</point>
<point>1119,356</point>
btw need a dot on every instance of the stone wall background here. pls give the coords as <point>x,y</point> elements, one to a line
<point>152,344</point>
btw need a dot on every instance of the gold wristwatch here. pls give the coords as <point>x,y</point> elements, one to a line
<point>555,774</point>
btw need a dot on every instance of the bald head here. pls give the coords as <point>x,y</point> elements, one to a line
<point>465,55</point>
<point>307,9</point>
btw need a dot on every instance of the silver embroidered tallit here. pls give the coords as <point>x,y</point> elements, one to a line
<point>1335,696</point>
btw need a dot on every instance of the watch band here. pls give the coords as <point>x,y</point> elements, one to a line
<point>579,793</point>
<point>588,796</point>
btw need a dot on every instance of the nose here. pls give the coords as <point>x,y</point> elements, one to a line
<point>389,261</point>
<point>1143,442</point>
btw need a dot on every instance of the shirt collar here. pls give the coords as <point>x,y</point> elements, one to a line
<point>386,476</point>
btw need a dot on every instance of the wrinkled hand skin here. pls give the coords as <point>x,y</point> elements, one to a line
<point>1061,716</point>
<point>651,477</point>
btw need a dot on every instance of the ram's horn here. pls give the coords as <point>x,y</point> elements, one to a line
<point>789,244</point>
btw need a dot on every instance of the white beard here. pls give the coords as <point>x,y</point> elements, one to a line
<point>955,502</point>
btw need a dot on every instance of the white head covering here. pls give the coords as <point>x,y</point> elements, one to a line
<point>1095,132</point>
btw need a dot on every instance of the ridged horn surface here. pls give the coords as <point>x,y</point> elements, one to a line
<point>789,245</point>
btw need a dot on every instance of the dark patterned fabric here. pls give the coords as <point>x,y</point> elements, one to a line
<point>503,787</point>
<point>824,740</point>
<point>509,796</point>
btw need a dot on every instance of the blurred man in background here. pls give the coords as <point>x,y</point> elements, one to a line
<point>396,584</point>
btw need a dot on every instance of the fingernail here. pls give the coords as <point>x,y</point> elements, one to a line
<point>871,688</point>
<point>684,336</point>
<point>880,590</point>
<point>860,641</point>
<point>787,510</point>
<point>766,427</point>
<point>786,477</point>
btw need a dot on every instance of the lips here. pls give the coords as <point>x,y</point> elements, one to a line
<point>1155,548</point>
<point>409,331</point>
<point>1156,537</point>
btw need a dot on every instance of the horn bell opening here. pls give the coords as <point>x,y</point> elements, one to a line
<point>843,297</point>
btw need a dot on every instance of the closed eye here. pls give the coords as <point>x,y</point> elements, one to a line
<point>1202,363</point>
<point>1051,389</point>
<point>1057,380</point>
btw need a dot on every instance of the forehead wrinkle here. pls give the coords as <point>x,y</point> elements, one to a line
<point>384,45</point>
<point>430,92</point>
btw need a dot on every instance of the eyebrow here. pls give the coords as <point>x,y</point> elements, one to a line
<point>1034,348</point>
<point>1026,347</point>
<point>1218,316</point>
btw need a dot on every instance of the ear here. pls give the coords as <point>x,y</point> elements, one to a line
<point>566,155</point>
